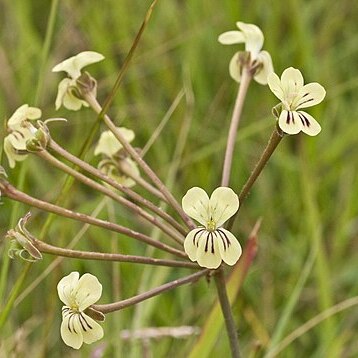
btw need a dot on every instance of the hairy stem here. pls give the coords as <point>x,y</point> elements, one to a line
<point>116,306</point>
<point>100,256</point>
<point>14,194</point>
<point>226,310</point>
<point>92,101</point>
<point>235,119</point>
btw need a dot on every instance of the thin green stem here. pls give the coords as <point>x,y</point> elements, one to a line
<point>272,144</point>
<point>239,104</point>
<point>14,194</point>
<point>100,256</point>
<point>116,306</point>
<point>227,313</point>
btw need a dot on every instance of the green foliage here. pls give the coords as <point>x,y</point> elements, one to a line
<point>307,195</point>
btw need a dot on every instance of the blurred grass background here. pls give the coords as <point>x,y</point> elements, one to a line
<point>307,195</point>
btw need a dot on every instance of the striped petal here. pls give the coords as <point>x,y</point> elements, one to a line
<point>208,253</point>
<point>310,94</point>
<point>309,125</point>
<point>290,122</point>
<point>230,249</point>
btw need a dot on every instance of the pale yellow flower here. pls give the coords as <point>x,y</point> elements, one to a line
<point>210,244</point>
<point>21,130</point>
<point>78,294</point>
<point>294,95</point>
<point>73,66</point>
<point>253,38</point>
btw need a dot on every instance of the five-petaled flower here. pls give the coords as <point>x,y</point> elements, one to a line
<point>295,95</point>
<point>21,130</point>
<point>211,243</point>
<point>116,164</point>
<point>67,94</point>
<point>78,294</point>
<point>260,62</point>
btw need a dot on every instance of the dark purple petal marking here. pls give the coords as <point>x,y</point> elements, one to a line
<point>304,119</point>
<point>290,117</point>
<point>196,237</point>
<point>304,100</point>
<point>84,324</point>
<point>224,238</point>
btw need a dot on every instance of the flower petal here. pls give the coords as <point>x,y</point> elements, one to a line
<point>63,87</point>
<point>231,37</point>
<point>274,83</point>
<point>309,125</point>
<point>235,67</point>
<point>195,203</point>
<point>21,114</point>
<point>267,67</point>
<point>208,254</point>
<point>109,145</point>
<point>224,203</point>
<point>66,287</point>
<point>191,242</point>
<point>88,291</point>
<point>311,94</point>
<point>254,38</point>
<point>92,331</point>
<point>291,81</point>
<point>71,330</point>
<point>230,249</point>
<point>290,122</point>
<point>74,64</point>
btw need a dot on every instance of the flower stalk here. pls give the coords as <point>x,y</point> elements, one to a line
<point>92,101</point>
<point>100,256</point>
<point>227,312</point>
<point>110,193</point>
<point>129,192</point>
<point>12,193</point>
<point>235,120</point>
<point>116,306</point>
<point>272,144</point>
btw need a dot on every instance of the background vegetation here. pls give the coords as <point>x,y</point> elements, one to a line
<point>307,195</point>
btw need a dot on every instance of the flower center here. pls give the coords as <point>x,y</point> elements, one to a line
<point>211,225</point>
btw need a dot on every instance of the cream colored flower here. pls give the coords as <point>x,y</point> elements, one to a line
<point>117,164</point>
<point>294,95</point>
<point>211,244</point>
<point>109,145</point>
<point>21,130</point>
<point>78,294</point>
<point>252,37</point>
<point>67,88</point>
